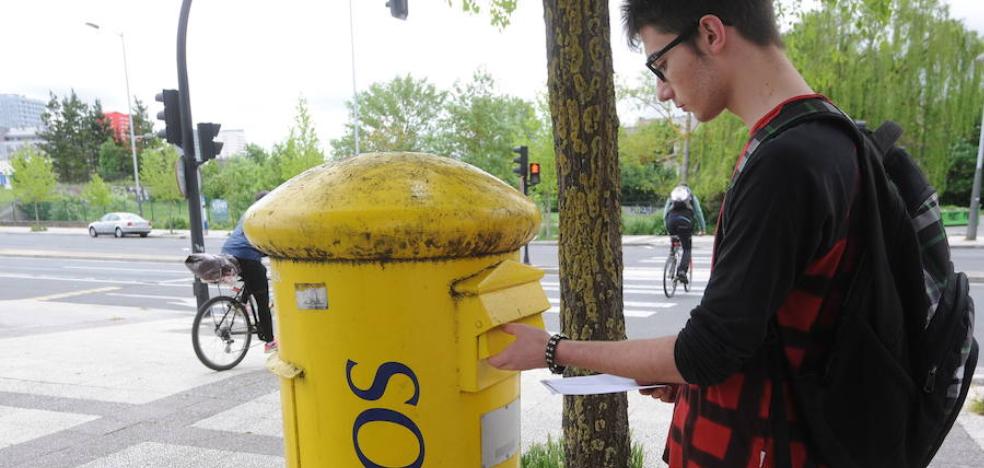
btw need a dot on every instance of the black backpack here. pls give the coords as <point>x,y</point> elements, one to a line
<point>904,354</point>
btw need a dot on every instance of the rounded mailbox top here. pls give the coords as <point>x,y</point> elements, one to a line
<point>391,206</point>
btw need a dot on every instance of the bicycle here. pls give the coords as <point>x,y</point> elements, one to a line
<point>224,327</point>
<point>670,278</point>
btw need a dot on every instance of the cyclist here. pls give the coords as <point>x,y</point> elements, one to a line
<point>682,207</point>
<point>255,278</point>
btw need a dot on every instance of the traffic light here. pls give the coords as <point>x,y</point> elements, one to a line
<point>398,8</point>
<point>521,161</point>
<point>206,141</point>
<point>171,115</point>
<point>534,174</point>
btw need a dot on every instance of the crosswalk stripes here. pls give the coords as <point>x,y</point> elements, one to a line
<point>640,281</point>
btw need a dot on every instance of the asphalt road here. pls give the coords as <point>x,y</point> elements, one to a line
<point>167,285</point>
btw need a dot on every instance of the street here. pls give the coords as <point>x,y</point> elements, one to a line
<point>101,372</point>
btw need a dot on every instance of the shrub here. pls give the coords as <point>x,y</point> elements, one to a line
<point>176,223</point>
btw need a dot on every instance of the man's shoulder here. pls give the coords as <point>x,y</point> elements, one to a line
<point>817,145</point>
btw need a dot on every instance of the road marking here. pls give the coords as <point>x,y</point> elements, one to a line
<point>653,291</point>
<point>52,297</point>
<point>153,270</point>
<point>87,280</point>
<point>658,305</point>
<point>627,312</point>
<point>173,300</point>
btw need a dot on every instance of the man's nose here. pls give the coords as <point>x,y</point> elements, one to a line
<point>663,91</point>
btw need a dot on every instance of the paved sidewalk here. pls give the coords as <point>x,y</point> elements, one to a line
<point>112,387</point>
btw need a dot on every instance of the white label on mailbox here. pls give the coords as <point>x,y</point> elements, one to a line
<point>500,434</point>
<point>311,296</point>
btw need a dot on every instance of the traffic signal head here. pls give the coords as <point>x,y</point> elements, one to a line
<point>206,140</point>
<point>171,115</point>
<point>534,174</point>
<point>521,161</point>
<point>398,8</point>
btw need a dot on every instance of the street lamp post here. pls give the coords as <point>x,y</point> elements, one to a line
<point>355,91</point>
<point>129,113</point>
<point>975,195</point>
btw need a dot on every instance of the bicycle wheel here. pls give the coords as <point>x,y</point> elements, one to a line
<point>221,333</point>
<point>669,276</point>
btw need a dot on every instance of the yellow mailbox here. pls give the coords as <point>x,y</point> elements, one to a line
<point>392,273</point>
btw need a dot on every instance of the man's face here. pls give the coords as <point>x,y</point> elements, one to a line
<point>690,79</point>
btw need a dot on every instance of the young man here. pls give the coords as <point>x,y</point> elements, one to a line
<point>255,278</point>
<point>681,211</point>
<point>781,251</point>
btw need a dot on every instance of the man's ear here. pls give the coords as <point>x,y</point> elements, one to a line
<point>712,34</point>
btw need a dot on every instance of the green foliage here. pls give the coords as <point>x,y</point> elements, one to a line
<point>237,181</point>
<point>301,150</point>
<point>960,177</point>
<point>646,161</point>
<point>143,128</point>
<point>157,172</point>
<point>73,132</point>
<point>904,60</point>
<point>34,177</point>
<point>6,195</point>
<point>646,225</point>
<point>482,127</point>
<point>176,223</point>
<point>115,161</point>
<point>499,10</point>
<point>551,455</point>
<point>976,406</point>
<point>401,115</point>
<point>97,193</point>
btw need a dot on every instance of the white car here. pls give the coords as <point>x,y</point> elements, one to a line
<point>119,225</point>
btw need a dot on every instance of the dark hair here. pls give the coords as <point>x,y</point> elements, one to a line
<point>754,19</point>
<point>260,194</point>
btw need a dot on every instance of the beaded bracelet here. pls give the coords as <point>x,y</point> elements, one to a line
<point>551,353</point>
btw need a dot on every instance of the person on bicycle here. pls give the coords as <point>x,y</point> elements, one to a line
<point>255,278</point>
<point>681,210</point>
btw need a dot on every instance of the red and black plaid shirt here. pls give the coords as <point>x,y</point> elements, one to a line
<point>782,252</point>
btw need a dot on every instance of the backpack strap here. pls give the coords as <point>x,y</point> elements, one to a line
<point>791,115</point>
<point>887,135</point>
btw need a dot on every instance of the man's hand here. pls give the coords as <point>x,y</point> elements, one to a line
<point>527,352</point>
<point>666,393</point>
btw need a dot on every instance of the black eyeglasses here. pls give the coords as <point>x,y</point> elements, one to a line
<point>655,56</point>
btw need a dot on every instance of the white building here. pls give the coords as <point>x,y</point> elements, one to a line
<point>19,111</point>
<point>11,139</point>
<point>233,143</point>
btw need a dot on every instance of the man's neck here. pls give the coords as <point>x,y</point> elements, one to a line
<point>766,79</point>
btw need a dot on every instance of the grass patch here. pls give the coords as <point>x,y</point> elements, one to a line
<point>551,455</point>
<point>977,406</point>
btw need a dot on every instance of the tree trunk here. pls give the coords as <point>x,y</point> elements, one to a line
<point>37,217</point>
<point>582,106</point>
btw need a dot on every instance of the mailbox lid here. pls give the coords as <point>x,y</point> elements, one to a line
<point>392,206</point>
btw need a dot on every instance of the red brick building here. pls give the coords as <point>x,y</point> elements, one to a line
<point>120,123</point>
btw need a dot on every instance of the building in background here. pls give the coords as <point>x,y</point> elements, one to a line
<point>120,124</point>
<point>13,138</point>
<point>17,111</point>
<point>233,143</point>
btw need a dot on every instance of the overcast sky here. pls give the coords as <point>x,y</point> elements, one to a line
<point>250,60</point>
